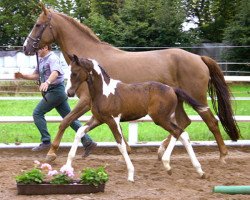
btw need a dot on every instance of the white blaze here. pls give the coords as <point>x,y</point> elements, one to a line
<point>26,41</point>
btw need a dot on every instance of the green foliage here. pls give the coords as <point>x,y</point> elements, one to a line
<point>61,179</point>
<point>94,176</point>
<point>212,17</point>
<point>104,28</point>
<point>238,33</point>
<point>16,20</point>
<point>34,176</point>
<point>135,22</point>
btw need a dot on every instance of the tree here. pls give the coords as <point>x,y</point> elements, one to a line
<point>150,23</point>
<point>238,33</point>
<point>15,29</point>
<point>211,16</point>
<point>82,9</point>
<point>106,8</point>
<point>16,20</point>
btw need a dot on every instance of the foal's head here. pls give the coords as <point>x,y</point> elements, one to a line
<point>80,71</point>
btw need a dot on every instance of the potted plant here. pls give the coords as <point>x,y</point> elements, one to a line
<point>42,179</point>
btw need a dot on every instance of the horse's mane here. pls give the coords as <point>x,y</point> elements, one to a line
<point>80,26</point>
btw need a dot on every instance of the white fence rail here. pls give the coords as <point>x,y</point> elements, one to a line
<point>132,129</point>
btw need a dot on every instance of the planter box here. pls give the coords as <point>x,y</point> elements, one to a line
<point>42,189</point>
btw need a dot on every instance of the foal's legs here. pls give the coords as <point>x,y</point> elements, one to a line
<point>179,117</point>
<point>79,134</point>
<point>183,121</point>
<point>114,125</point>
<point>184,138</point>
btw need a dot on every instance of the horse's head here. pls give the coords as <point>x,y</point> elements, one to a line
<point>42,33</point>
<point>80,71</point>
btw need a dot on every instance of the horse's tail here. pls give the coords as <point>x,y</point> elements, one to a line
<point>182,95</point>
<point>218,88</point>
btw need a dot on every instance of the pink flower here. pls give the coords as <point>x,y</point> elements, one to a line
<point>52,172</point>
<point>46,166</point>
<point>68,170</point>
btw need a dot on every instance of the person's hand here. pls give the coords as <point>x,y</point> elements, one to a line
<point>44,87</point>
<point>18,75</point>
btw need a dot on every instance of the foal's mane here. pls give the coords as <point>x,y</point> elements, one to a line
<point>106,76</point>
<point>80,26</point>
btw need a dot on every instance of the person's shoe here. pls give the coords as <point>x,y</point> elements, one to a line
<point>88,149</point>
<point>41,147</point>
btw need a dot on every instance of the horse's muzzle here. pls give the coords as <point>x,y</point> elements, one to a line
<point>28,51</point>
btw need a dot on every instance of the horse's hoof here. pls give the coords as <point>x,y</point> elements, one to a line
<point>159,156</point>
<point>51,157</point>
<point>129,150</point>
<point>223,160</point>
<point>161,151</point>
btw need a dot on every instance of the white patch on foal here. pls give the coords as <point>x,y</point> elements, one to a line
<point>106,88</point>
<point>68,85</point>
<point>123,150</point>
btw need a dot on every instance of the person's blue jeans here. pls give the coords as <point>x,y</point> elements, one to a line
<point>56,98</point>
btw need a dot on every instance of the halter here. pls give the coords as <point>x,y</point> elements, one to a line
<point>36,41</point>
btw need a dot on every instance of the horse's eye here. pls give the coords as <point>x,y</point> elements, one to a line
<point>38,25</point>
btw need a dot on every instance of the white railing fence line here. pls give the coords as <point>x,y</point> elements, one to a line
<point>132,125</point>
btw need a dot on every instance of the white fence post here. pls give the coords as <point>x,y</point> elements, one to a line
<point>132,132</point>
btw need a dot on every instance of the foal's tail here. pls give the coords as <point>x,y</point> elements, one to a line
<point>218,88</point>
<point>182,95</point>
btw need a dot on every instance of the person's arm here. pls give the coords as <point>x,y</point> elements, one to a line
<point>19,75</point>
<point>53,76</point>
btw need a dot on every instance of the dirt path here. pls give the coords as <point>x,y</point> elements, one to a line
<point>151,179</point>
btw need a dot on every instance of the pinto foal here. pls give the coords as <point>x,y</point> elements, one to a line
<point>114,101</point>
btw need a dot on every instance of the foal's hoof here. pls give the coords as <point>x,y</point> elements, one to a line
<point>50,157</point>
<point>204,176</point>
<point>169,172</point>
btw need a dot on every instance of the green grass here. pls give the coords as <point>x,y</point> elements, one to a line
<point>26,133</point>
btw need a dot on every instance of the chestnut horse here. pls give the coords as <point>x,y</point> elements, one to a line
<point>114,101</point>
<point>178,68</point>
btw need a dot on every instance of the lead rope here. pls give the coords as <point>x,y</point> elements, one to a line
<point>39,80</point>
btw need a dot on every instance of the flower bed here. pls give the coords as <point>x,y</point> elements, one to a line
<point>48,188</point>
<point>36,181</point>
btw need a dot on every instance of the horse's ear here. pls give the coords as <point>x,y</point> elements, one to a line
<point>43,8</point>
<point>88,64</point>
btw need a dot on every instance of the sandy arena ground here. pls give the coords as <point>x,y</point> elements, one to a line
<point>151,179</point>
